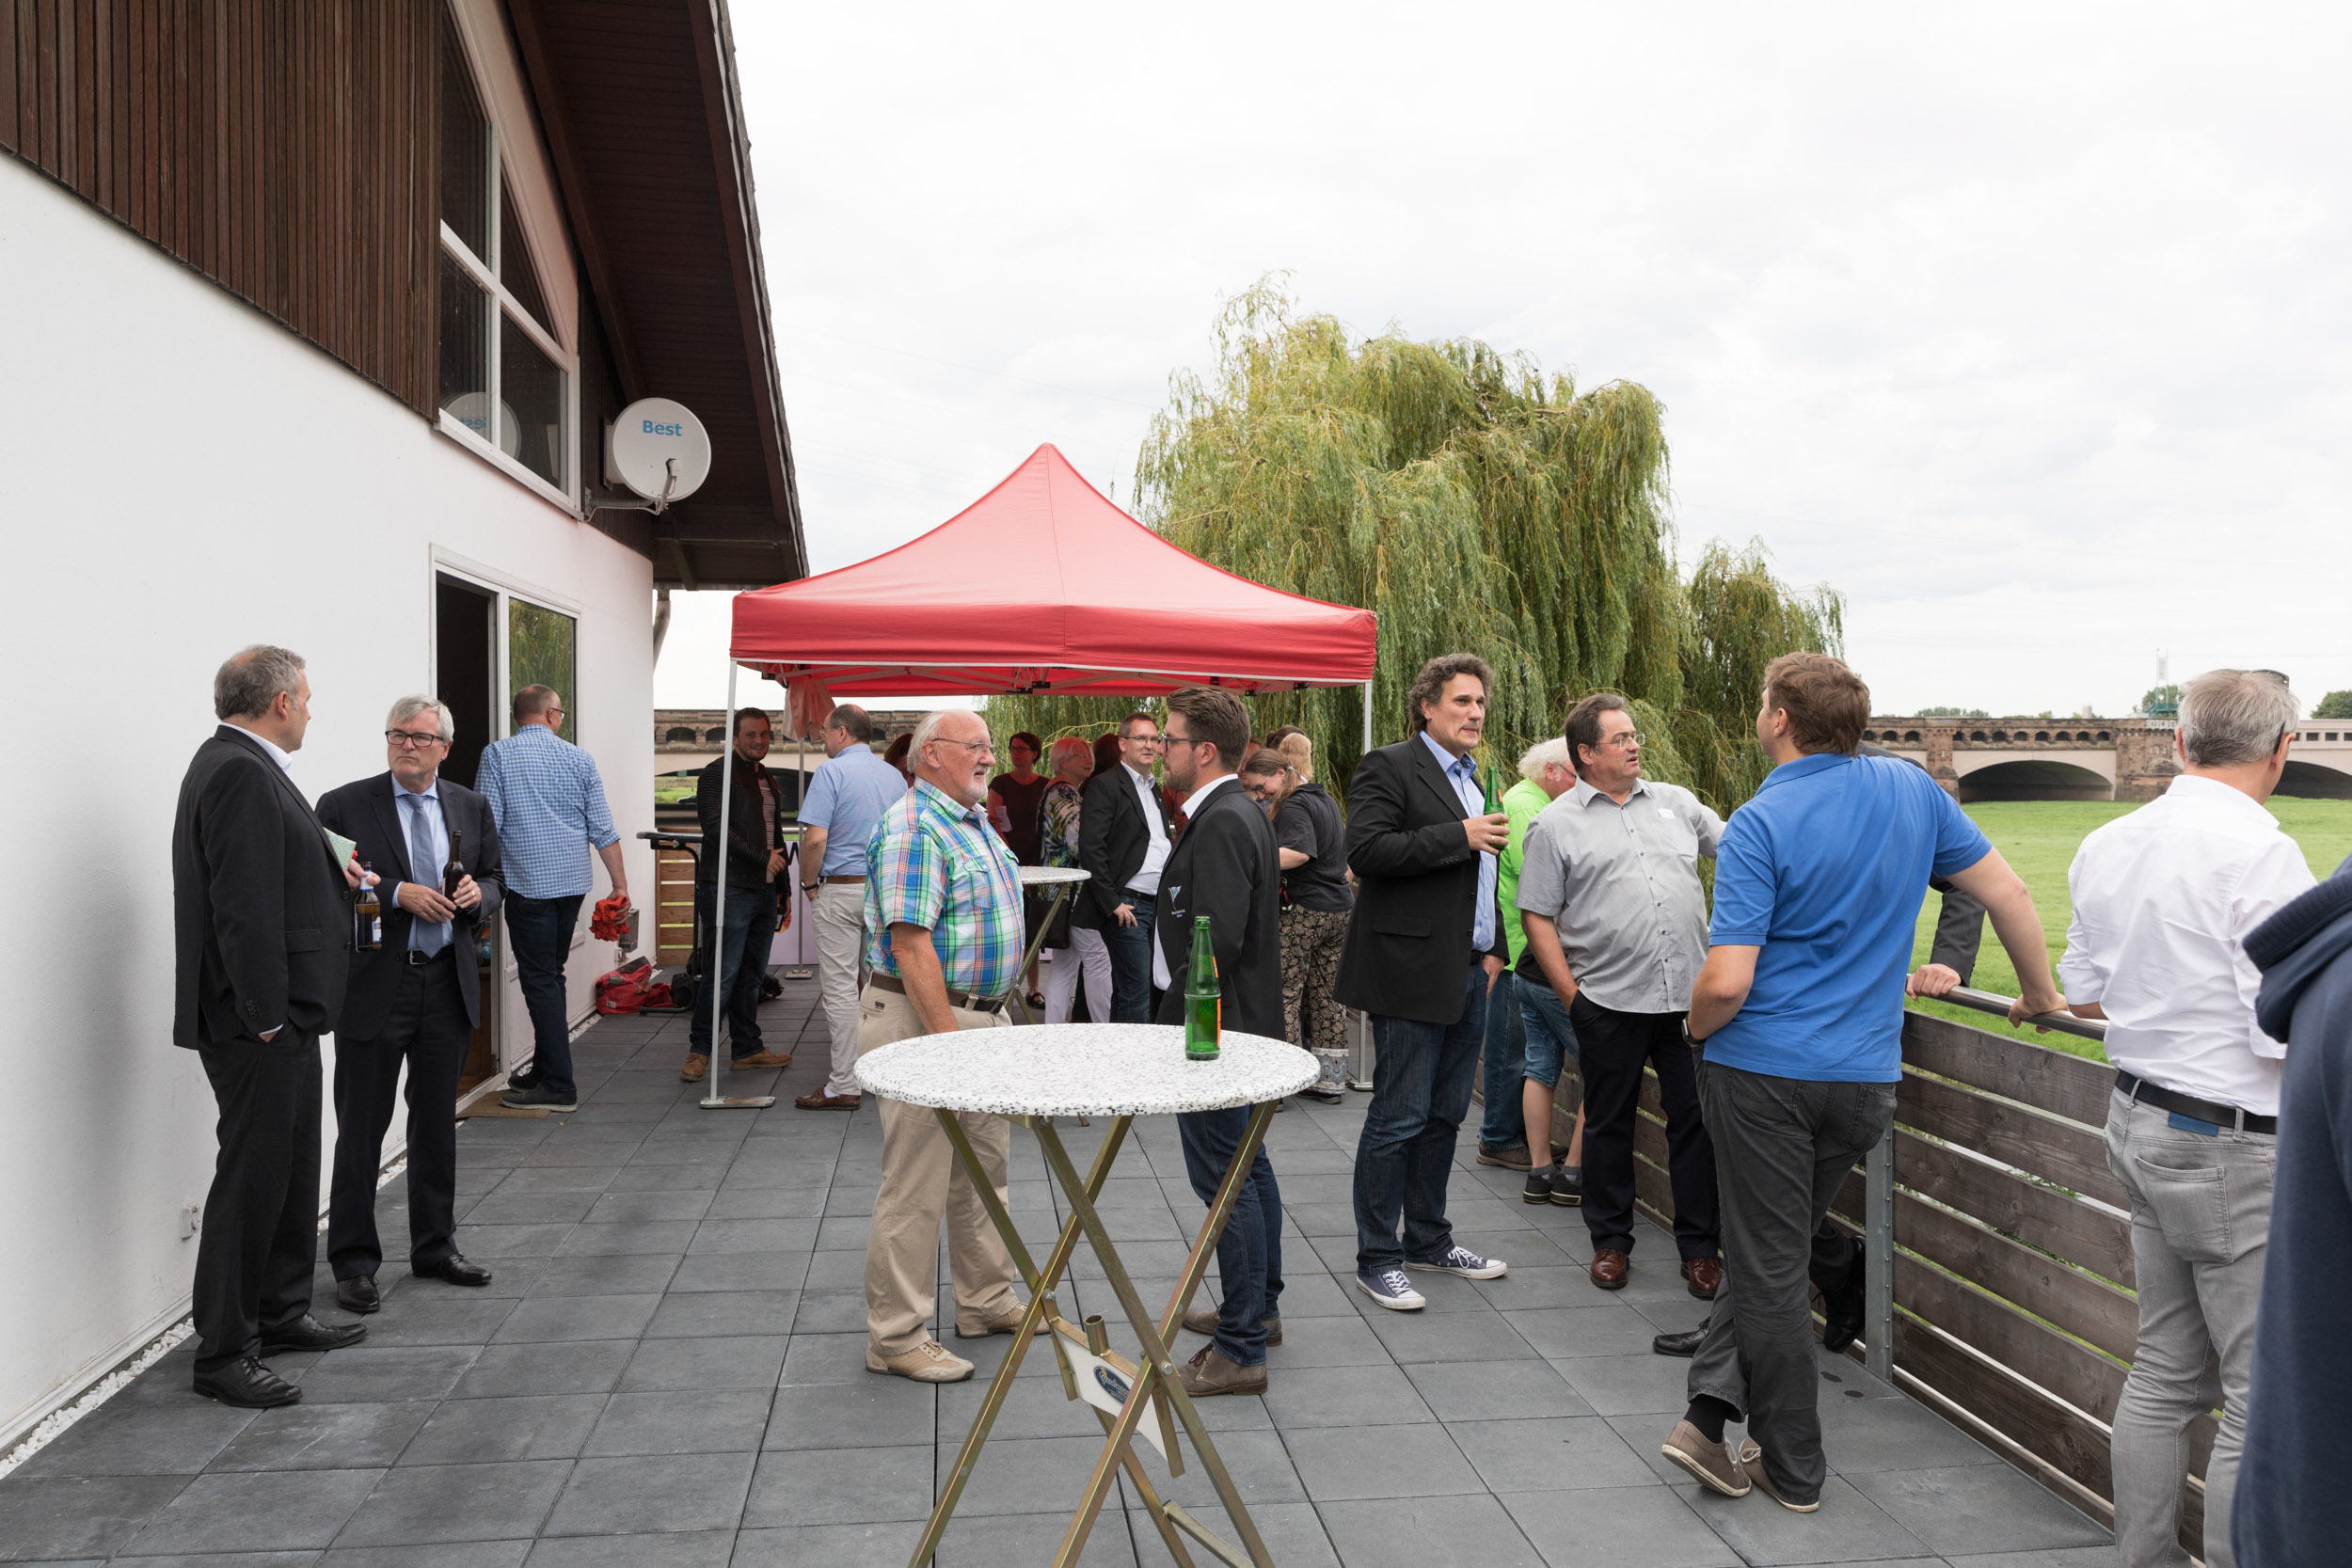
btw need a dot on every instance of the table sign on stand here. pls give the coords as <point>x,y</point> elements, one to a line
<point>1122,1070</point>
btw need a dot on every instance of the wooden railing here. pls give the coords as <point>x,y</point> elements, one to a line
<point>2012,1309</point>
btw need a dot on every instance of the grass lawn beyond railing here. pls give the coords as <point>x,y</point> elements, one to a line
<point>2039,839</point>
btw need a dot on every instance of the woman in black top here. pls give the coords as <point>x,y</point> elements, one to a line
<point>1316,898</point>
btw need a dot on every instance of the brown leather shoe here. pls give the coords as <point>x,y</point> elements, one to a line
<point>1203,1320</point>
<point>1609,1268</point>
<point>820,1101</point>
<point>696,1065</point>
<point>763,1058</point>
<point>1705,1275</point>
<point>1209,1372</point>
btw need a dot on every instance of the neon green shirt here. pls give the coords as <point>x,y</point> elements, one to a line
<point>1522,803</point>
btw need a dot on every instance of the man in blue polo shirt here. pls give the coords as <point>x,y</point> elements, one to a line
<point>1798,1011</point>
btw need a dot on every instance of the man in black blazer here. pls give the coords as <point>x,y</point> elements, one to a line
<point>735,940</point>
<point>259,924</point>
<point>1224,866</point>
<point>414,998</point>
<point>1423,948</point>
<point>1123,844</point>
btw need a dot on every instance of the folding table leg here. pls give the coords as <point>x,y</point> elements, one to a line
<point>1042,1305</point>
<point>1158,1369</point>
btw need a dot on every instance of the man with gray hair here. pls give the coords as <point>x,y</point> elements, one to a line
<point>2164,899</point>
<point>260,917</point>
<point>415,998</point>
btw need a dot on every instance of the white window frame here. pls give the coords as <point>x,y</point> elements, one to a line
<point>486,271</point>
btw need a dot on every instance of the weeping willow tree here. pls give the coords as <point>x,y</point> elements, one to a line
<point>1473,503</point>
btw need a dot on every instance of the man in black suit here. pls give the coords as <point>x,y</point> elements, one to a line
<point>1123,834</point>
<point>735,940</point>
<point>1225,866</point>
<point>1423,948</point>
<point>417,998</point>
<point>259,923</point>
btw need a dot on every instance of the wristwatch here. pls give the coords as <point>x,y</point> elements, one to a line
<point>812,887</point>
<point>1689,1039</point>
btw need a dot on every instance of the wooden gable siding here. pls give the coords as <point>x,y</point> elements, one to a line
<point>284,149</point>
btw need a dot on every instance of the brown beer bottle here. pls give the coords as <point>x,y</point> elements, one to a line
<point>454,872</point>
<point>367,922</point>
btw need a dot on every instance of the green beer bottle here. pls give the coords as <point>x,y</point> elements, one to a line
<point>1204,1000</point>
<point>1494,791</point>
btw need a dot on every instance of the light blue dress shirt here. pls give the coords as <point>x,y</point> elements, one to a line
<point>427,839</point>
<point>1464,773</point>
<point>847,797</point>
<point>549,804</point>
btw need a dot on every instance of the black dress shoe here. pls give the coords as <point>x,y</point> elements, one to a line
<point>358,1294</point>
<point>308,1332</point>
<point>1680,1344</point>
<point>454,1269</point>
<point>248,1384</point>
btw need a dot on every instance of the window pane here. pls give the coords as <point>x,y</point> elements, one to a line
<point>539,653</point>
<point>465,150</point>
<point>516,269</point>
<point>534,402</point>
<point>465,348</point>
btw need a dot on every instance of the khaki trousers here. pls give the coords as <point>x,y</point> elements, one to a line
<point>838,913</point>
<point>921,1179</point>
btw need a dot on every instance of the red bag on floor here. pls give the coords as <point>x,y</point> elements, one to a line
<point>628,989</point>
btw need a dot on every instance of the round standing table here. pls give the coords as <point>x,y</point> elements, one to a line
<point>1122,1070</point>
<point>1064,880</point>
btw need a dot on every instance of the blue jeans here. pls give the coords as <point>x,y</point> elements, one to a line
<point>1505,1065</point>
<point>540,932</point>
<point>742,964</point>
<point>1131,962</point>
<point>1421,1091</point>
<point>1249,1253</point>
<point>1550,1037</point>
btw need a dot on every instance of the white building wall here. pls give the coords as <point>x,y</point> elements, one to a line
<point>184,476</point>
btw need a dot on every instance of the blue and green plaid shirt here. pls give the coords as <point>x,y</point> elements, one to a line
<point>934,864</point>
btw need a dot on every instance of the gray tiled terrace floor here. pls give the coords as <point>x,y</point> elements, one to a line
<point>669,1369</point>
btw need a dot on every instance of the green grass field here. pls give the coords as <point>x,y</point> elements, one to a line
<point>2039,839</point>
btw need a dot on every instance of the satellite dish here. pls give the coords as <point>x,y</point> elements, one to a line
<point>472,410</point>
<point>659,450</point>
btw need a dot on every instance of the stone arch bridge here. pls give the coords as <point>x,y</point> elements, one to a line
<point>2090,759</point>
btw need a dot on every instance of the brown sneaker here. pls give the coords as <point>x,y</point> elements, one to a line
<point>1003,1323</point>
<point>763,1058</point>
<point>1509,1157</point>
<point>1705,1277</point>
<point>1715,1467</point>
<point>1752,1460</point>
<point>820,1101</point>
<point>929,1362</point>
<point>1209,1372</point>
<point>696,1065</point>
<point>1203,1320</point>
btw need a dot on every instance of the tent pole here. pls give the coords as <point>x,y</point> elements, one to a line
<point>713,1099</point>
<point>799,970</point>
<point>1359,1068</point>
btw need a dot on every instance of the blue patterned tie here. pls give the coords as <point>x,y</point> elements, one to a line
<point>429,938</point>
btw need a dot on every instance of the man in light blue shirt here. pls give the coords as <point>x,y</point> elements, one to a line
<point>1798,1011</point>
<point>549,800</point>
<point>850,790</point>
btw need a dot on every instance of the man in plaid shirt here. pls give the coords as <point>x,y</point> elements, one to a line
<point>943,902</point>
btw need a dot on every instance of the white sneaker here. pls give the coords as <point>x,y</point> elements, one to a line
<point>929,1362</point>
<point>1462,1260</point>
<point>1391,1289</point>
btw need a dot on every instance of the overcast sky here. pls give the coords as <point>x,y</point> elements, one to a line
<point>2025,329</point>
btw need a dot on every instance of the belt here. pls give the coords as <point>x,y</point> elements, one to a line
<point>418,961</point>
<point>960,999</point>
<point>2141,1091</point>
<point>858,882</point>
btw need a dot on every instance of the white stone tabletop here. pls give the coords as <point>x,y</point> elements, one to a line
<point>1052,875</point>
<point>1082,1069</point>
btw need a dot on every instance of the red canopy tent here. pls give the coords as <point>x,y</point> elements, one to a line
<point>1041,585</point>
<point>1044,585</point>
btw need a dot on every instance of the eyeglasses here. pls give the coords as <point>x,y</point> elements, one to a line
<point>1183,740</point>
<point>1145,740</point>
<point>408,740</point>
<point>981,746</point>
<point>1630,737</point>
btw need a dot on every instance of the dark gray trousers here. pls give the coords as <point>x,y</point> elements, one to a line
<point>1782,1147</point>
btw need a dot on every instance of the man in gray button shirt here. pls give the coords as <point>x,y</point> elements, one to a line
<point>1616,930</point>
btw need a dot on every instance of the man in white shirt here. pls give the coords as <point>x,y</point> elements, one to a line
<point>2163,899</point>
<point>1123,845</point>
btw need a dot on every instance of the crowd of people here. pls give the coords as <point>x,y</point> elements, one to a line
<point>1570,930</point>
